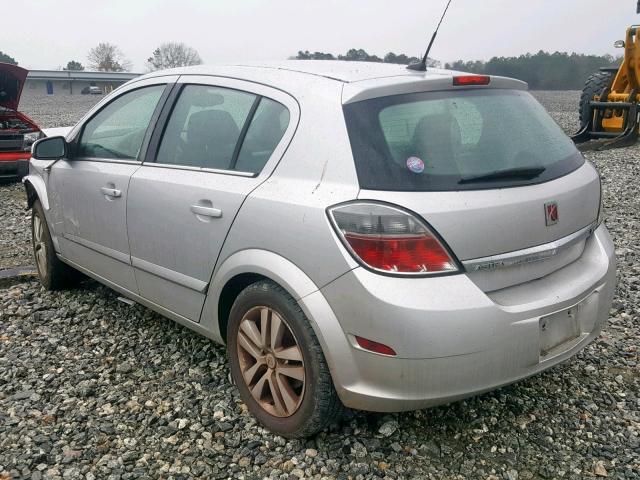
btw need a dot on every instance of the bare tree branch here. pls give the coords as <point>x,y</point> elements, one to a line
<point>107,57</point>
<point>171,55</point>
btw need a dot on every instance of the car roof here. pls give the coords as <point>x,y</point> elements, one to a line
<point>336,70</point>
<point>356,77</point>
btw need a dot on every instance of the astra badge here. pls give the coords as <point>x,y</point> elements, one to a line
<point>551,213</point>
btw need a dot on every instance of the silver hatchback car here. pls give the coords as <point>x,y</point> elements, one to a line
<point>356,234</point>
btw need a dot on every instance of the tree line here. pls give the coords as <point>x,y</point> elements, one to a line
<point>107,57</point>
<point>360,55</point>
<point>355,55</point>
<point>542,70</point>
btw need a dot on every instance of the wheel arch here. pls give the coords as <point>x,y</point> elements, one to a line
<point>36,190</point>
<point>239,271</point>
<point>243,268</point>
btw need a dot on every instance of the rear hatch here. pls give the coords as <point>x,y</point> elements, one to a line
<point>488,169</point>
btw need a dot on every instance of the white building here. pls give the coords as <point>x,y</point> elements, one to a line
<point>54,82</point>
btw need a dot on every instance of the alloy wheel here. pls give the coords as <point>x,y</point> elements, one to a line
<point>271,361</point>
<point>39,245</point>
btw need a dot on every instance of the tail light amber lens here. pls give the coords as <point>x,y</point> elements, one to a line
<point>391,240</point>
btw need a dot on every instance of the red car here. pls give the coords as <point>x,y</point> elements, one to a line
<point>17,131</point>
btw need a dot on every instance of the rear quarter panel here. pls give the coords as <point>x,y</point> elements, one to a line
<point>286,214</point>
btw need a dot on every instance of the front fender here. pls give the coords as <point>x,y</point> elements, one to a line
<point>36,189</point>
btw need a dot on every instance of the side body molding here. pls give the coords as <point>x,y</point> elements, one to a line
<point>254,261</point>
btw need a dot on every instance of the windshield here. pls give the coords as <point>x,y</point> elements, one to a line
<point>457,140</point>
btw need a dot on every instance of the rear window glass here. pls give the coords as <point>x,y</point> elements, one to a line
<point>457,140</point>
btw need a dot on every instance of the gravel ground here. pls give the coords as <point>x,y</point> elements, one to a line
<point>93,388</point>
<point>58,110</point>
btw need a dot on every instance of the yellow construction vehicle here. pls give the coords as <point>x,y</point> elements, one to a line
<point>609,102</point>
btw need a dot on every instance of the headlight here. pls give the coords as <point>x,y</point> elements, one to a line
<point>29,139</point>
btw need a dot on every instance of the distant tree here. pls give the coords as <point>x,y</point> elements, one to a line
<point>306,55</point>
<point>359,55</point>
<point>4,58</point>
<point>402,59</point>
<point>474,66</point>
<point>171,55</point>
<point>107,57</point>
<point>74,66</point>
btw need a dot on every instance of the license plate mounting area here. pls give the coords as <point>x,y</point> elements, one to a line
<point>558,328</point>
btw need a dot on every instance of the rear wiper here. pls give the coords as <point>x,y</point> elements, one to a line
<point>526,173</point>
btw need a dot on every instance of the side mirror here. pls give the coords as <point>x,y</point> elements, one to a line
<point>50,148</point>
<point>619,44</point>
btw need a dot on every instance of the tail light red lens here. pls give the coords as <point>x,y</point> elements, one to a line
<point>390,240</point>
<point>468,80</point>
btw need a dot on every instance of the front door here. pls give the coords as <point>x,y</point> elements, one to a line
<point>94,185</point>
<point>181,206</point>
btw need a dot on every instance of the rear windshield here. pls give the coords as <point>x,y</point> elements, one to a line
<point>457,140</point>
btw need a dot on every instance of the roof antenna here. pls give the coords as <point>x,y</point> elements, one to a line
<point>422,66</point>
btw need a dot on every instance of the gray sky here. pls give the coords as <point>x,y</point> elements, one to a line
<point>49,33</point>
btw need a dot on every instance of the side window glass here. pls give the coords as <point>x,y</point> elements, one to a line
<point>204,127</point>
<point>118,130</point>
<point>267,127</point>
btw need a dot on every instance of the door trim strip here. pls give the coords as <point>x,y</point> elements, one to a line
<point>170,275</point>
<point>96,247</point>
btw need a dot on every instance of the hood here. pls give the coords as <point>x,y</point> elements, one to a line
<point>56,131</point>
<point>12,80</point>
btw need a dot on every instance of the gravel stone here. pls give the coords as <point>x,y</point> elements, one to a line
<point>93,388</point>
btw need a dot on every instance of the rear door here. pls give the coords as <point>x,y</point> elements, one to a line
<point>219,142</point>
<point>93,183</point>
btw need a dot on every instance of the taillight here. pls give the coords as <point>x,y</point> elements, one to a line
<point>390,240</point>
<point>468,80</point>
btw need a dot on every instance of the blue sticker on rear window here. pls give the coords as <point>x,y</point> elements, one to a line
<point>415,164</point>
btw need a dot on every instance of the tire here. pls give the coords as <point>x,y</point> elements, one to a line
<point>312,406</point>
<point>53,274</point>
<point>594,85</point>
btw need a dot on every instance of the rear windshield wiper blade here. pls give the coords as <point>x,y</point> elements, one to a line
<point>526,173</point>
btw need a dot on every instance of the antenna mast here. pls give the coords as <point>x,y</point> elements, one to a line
<point>422,66</point>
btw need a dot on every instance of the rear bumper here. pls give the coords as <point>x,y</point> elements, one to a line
<point>452,339</point>
<point>14,165</point>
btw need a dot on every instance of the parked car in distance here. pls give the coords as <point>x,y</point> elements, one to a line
<point>17,131</point>
<point>91,90</point>
<point>356,234</point>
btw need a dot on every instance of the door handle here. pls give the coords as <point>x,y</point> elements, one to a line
<point>206,211</point>
<point>111,192</point>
